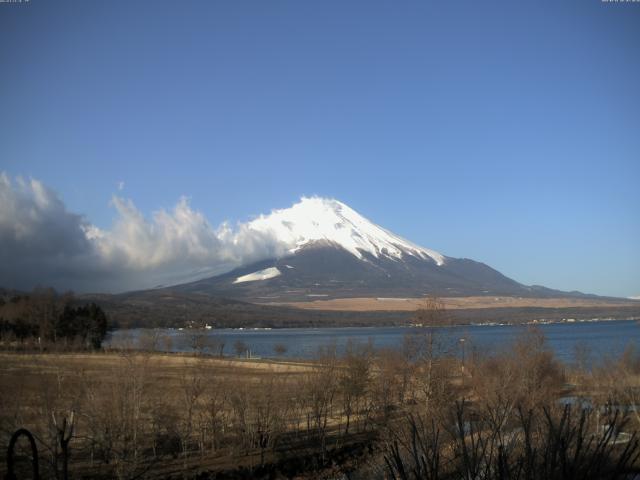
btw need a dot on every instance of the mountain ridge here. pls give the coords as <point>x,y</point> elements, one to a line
<point>328,250</point>
<point>319,271</point>
<point>331,251</point>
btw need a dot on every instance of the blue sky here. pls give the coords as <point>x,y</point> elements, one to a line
<point>506,132</point>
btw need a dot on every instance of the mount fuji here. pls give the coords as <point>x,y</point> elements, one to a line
<point>331,251</point>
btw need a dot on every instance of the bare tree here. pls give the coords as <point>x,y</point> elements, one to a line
<point>525,376</point>
<point>582,356</point>
<point>545,443</point>
<point>149,340</point>
<point>268,412</point>
<point>115,407</point>
<point>279,349</point>
<point>424,348</point>
<point>240,348</point>
<point>191,391</point>
<point>64,431</point>
<point>167,343</point>
<point>59,397</point>
<point>214,413</point>
<point>197,341</point>
<point>320,390</point>
<point>431,313</point>
<point>353,378</point>
<point>216,344</point>
<point>622,378</point>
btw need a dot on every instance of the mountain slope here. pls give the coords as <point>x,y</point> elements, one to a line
<point>333,252</point>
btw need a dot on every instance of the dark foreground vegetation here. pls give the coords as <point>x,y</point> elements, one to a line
<point>45,319</point>
<point>414,413</point>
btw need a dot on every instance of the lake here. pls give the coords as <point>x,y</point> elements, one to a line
<point>602,338</point>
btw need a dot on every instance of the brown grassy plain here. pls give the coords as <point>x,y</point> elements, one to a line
<point>453,303</point>
<point>153,415</point>
<point>161,415</point>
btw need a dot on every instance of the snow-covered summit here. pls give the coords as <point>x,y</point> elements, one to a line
<point>316,219</point>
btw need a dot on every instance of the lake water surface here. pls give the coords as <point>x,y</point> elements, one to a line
<point>602,338</point>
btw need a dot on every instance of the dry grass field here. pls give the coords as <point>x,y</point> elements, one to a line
<point>151,415</point>
<point>113,394</point>
<point>453,303</point>
<point>154,415</point>
<point>171,367</point>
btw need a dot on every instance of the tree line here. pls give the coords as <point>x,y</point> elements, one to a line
<point>44,318</point>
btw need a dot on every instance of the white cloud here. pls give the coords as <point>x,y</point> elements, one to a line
<point>41,242</point>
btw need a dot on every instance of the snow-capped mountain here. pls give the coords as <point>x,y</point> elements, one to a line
<point>331,251</point>
<point>319,219</point>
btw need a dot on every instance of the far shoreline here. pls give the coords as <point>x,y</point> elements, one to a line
<point>568,321</point>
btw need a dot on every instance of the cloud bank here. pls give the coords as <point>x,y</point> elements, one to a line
<point>43,243</point>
